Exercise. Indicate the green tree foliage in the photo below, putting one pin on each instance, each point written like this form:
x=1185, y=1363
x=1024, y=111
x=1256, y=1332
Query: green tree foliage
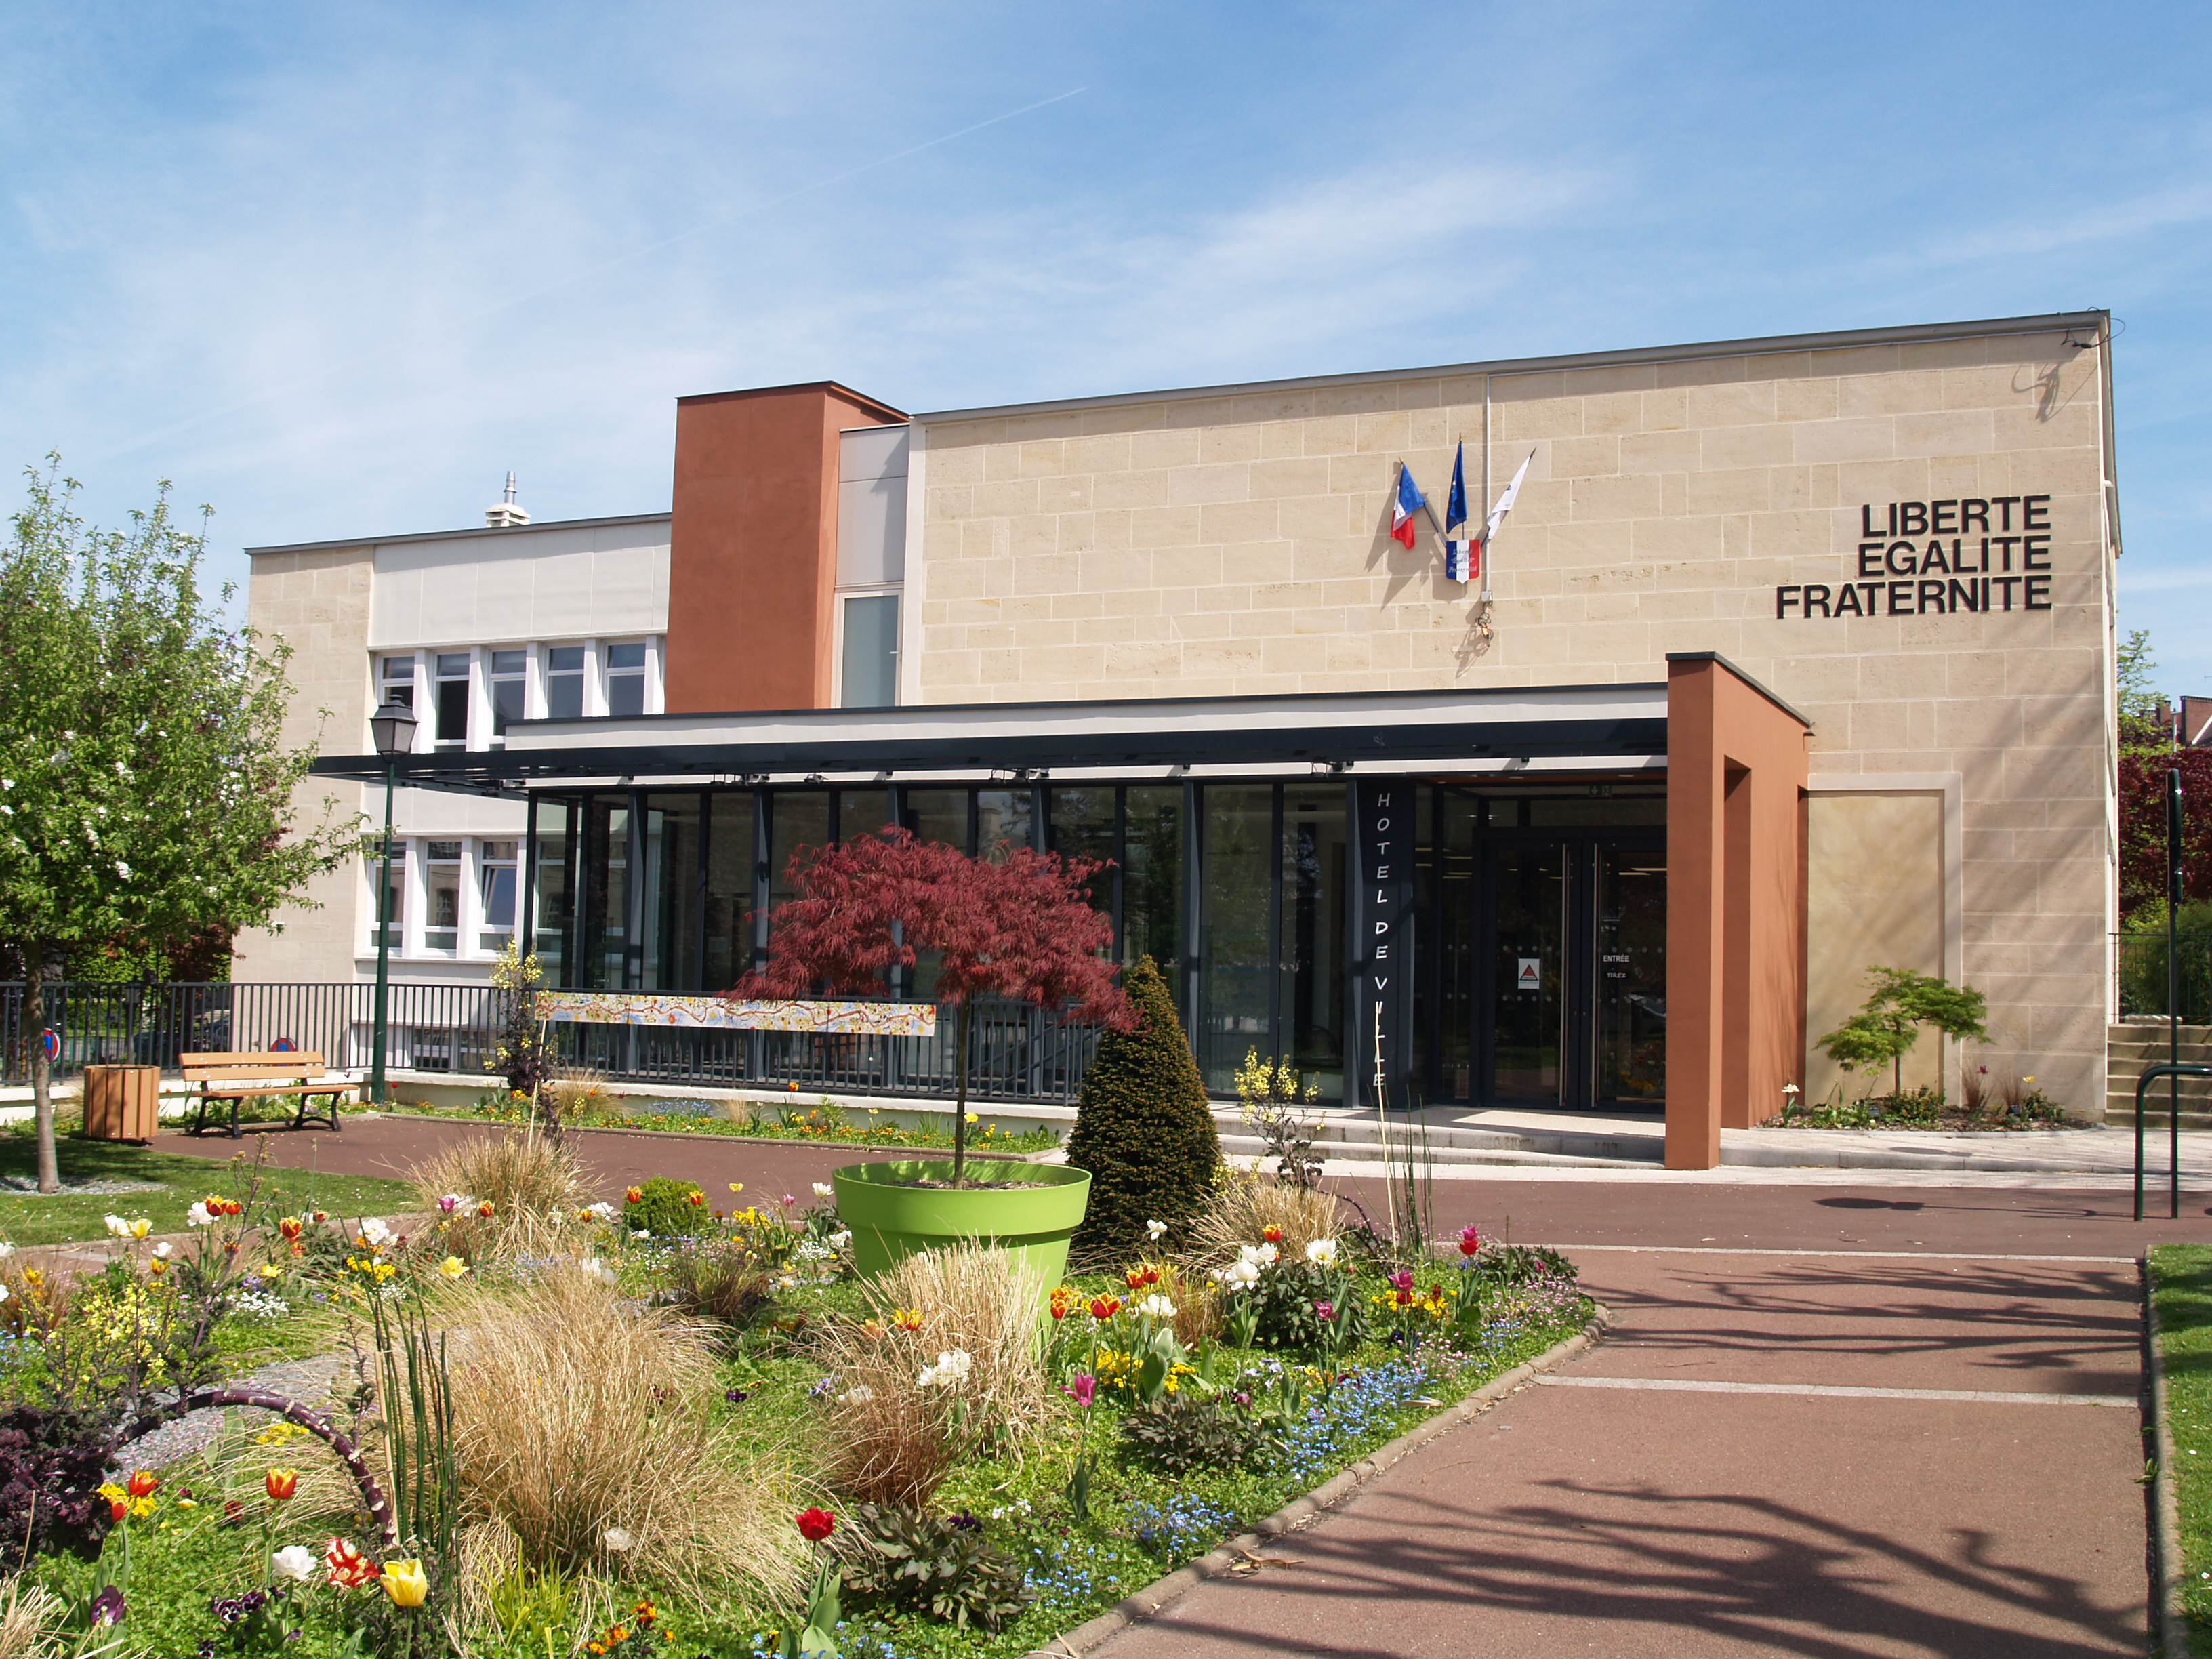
x=2136, y=706
x=145, y=798
x=1889, y=1024
x=1142, y=1127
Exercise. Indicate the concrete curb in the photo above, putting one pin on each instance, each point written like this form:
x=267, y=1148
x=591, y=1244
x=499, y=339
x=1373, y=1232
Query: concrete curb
x=2170, y=1620
x=713, y=1135
x=1162, y=1593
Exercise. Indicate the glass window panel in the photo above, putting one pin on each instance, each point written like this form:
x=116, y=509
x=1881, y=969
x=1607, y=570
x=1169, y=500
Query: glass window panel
x=869, y=678
x=452, y=712
x=442, y=891
x=499, y=890
x=1002, y=821
x=395, y=895
x=1151, y=881
x=1452, y=1014
x=510, y=662
x=800, y=820
x=452, y=665
x=604, y=899
x=1312, y=958
x=862, y=812
x=626, y=656
x=1631, y=973
x=553, y=897
x=506, y=705
x=729, y=889
x=564, y=681
x=936, y=815
x=1531, y=966
x=1235, y=956
x=1083, y=827
x=671, y=893
x=399, y=681
x=625, y=694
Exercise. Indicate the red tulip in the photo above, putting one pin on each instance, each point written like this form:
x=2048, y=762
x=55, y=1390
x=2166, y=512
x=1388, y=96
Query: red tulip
x=816, y=1524
x=144, y=1484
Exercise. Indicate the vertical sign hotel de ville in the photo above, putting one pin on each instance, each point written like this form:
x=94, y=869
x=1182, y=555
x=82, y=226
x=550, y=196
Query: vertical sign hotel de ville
x=1384, y=966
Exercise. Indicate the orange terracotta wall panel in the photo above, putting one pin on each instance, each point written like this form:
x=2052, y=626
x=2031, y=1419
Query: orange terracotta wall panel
x=1737, y=766
x=752, y=560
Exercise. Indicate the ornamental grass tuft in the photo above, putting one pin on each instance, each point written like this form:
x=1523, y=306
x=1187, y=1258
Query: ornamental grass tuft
x=894, y=1437
x=1244, y=1204
x=34, y=1622
x=533, y=1183
x=590, y=1430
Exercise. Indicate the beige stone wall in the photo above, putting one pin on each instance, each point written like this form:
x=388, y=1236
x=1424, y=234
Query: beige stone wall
x=1219, y=546
x=318, y=602
x=1874, y=898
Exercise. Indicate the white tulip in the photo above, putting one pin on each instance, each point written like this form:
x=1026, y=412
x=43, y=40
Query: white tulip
x=950, y=1371
x=841, y=1240
x=1322, y=1252
x=165, y=1249
x=294, y=1561
x=1157, y=1307
x=824, y=1189
x=619, y=1539
x=6, y=1249
x=858, y=1396
x=197, y=1216
x=118, y=1226
x=1156, y=1231
x=591, y=1268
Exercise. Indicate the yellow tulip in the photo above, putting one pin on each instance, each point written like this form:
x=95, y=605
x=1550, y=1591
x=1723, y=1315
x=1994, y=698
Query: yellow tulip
x=406, y=1584
x=453, y=1266
x=141, y=1227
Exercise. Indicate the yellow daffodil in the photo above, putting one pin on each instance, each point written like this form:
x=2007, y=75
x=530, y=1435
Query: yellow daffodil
x=271, y=1270
x=406, y=1584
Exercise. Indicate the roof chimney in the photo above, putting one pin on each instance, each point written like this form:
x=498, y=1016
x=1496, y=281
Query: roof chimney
x=506, y=515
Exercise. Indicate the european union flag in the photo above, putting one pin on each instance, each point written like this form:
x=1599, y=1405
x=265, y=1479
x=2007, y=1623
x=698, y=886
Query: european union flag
x=1455, y=508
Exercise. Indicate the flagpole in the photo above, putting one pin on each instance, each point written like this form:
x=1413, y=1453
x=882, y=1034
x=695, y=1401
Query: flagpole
x=1485, y=487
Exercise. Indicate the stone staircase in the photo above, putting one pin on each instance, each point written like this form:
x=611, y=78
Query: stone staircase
x=2136, y=1043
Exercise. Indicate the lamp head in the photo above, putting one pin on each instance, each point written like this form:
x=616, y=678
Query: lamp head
x=393, y=727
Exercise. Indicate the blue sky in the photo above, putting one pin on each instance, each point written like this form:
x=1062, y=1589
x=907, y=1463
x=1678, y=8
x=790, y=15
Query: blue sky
x=337, y=268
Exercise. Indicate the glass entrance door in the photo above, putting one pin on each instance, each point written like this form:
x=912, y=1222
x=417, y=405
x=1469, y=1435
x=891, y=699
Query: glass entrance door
x=1577, y=971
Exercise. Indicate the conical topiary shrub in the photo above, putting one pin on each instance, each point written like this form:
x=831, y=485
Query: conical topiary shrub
x=1142, y=1129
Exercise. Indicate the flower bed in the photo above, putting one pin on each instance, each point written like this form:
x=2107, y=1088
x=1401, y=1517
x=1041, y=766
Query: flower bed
x=682, y=1423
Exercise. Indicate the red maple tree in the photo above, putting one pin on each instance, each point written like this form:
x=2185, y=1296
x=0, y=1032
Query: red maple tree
x=1019, y=926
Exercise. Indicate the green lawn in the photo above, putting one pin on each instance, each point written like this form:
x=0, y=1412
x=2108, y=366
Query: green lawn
x=26, y=1218
x=2181, y=1284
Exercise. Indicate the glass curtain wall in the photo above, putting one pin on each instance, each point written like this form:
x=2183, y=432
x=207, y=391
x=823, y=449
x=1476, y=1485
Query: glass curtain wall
x=603, y=895
x=732, y=864
x=1314, y=973
x=674, y=874
x=552, y=888
x=1151, y=882
x=1631, y=973
x=1004, y=821
x=1237, y=860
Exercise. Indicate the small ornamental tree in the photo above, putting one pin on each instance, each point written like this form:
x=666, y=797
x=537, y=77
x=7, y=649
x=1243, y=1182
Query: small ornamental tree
x=146, y=795
x=1018, y=926
x=1903, y=1001
x=1143, y=1128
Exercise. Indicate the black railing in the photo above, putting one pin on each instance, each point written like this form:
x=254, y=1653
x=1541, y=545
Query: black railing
x=1015, y=1053
x=2140, y=964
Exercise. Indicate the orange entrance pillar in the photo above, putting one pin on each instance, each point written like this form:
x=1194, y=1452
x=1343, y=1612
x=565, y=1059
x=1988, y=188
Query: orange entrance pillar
x=1737, y=765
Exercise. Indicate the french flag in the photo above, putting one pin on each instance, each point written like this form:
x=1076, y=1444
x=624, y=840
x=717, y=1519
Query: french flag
x=1407, y=501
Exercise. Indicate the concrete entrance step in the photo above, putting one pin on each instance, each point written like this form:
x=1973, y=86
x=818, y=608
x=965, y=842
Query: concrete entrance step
x=1502, y=1151
x=2133, y=1046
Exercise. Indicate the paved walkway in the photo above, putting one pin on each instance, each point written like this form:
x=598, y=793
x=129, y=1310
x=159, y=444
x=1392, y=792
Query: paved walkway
x=1826, y=1454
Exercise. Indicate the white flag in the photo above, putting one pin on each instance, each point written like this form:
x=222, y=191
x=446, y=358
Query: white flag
x=1505, y=501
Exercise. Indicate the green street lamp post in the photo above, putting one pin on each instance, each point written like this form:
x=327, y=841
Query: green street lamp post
x=393, y=727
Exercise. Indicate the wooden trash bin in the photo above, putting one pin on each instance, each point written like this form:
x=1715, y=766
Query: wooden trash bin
x=122, y=1103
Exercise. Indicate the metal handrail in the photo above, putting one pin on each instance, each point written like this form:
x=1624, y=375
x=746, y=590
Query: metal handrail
x=2151, y=1073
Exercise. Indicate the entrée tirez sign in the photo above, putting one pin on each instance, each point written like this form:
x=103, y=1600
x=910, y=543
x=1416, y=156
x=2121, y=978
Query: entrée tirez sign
x=1982, y=567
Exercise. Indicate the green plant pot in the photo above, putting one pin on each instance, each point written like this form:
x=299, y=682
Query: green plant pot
x=890, y=1221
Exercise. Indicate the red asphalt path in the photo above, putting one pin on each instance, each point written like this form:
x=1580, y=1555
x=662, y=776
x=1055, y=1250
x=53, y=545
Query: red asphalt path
x=1700, y=1483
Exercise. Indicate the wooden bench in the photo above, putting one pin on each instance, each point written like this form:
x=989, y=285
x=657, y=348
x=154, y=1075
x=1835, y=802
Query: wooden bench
x=238, y=1078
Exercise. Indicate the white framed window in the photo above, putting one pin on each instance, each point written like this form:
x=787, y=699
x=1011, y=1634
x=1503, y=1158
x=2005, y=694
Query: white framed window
x=868, y=650
x=441, y=883
x=565, y=666
x=626, y=678
x=396, y=922
x=498, y=884
x=510, y=684
x=450, y=695
x=395, y=683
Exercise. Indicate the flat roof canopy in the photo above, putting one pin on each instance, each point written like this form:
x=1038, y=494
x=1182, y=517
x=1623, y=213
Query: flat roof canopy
x=1610, y=728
